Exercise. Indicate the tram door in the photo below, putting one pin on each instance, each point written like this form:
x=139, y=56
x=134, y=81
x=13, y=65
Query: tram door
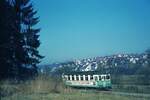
x=103, y=78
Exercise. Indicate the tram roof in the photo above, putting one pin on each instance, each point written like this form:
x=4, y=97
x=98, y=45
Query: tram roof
x=84, y=73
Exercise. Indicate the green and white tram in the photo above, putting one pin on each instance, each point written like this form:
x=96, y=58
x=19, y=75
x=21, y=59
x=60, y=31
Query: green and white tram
x=90, y=79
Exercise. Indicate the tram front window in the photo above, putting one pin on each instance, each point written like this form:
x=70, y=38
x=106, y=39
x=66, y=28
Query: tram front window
x=91, y=77
x=103, y=78
x=107, y=77
x=100, y=78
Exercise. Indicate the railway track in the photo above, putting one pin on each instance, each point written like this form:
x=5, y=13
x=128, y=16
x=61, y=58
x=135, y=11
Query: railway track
x=126, y=94
x=140, y=95
x=132, y=94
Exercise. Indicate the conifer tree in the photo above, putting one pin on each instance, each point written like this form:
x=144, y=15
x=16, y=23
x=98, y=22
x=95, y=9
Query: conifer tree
x=26, y=35
x=18, y=39
x=6, y=36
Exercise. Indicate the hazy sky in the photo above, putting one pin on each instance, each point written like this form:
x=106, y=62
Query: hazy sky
x=86, y=28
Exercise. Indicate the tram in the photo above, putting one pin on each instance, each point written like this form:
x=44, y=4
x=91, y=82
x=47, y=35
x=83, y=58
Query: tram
x=88, y=79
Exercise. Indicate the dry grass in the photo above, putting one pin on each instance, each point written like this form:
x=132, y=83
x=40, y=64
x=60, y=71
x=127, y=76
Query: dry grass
x=132, y=88
x=70, y=96
x=48, y=88
x=41, y=85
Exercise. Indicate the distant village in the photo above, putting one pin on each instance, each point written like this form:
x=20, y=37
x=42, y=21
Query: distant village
x=97, y=63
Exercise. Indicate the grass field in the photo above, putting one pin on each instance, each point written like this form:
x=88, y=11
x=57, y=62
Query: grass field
x=78, y=95
x=45, y=88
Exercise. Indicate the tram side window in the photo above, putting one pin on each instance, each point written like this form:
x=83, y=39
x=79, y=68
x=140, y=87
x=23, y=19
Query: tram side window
x=86, y=78
x=91, y=77
x=107, y=77
x=96, y=78
x=68, y=77
x=81, y=78
x=77, y=78
x=72, y=77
